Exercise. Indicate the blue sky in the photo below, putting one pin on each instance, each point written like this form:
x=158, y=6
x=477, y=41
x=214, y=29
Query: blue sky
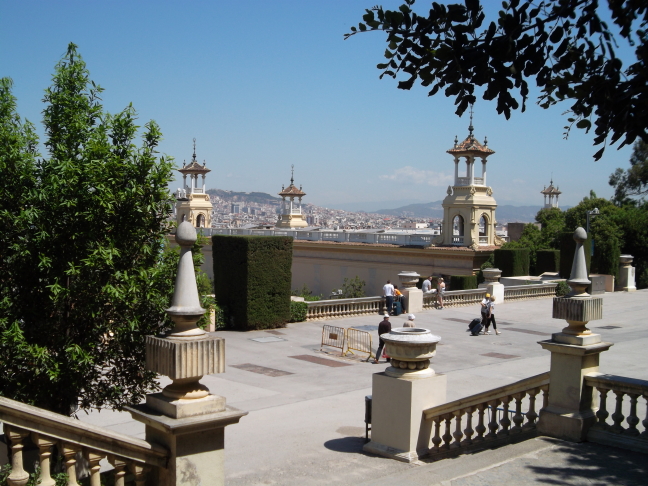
x=262, y=85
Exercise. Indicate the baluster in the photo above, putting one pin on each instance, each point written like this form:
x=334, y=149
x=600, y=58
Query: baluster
x=617, y=416
x=506, y=421
x=436, y=440
x=644, y=434
x=602, y=413
x=95, y=469
x=545, y=396
x=447, y=437
x=139, y=471
x=120, y=467
x=18, y=476
x=458, y=434
x=518, y=418
x=493, y=425
x=45, y=451
x=480, y=429
x=69, y=455
x=632, y=419
x=469, y=430
x=531, y=414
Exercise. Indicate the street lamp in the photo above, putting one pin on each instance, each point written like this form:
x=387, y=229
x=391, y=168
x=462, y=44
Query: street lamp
x=593, y=212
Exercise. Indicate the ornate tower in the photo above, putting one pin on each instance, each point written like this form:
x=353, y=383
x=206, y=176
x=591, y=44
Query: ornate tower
x=550, y=194
x=469, y=207
x=193, y=202
x=291, y=211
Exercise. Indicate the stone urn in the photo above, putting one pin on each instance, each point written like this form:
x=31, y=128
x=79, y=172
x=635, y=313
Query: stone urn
x=410, y=350
x=625, y=260
x=408, y=279
x=491, y=275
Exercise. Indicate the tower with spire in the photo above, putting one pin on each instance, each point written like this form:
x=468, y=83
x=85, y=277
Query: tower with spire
x=192, y=201
x=550, y=194
x=291, y=210
x=469, y=207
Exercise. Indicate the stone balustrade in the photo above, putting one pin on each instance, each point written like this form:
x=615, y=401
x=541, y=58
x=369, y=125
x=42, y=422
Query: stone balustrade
x=336, y=308
x=502, y=415
x=525, y=292
x=455, y=298
x=47, y=429
x=627, y=393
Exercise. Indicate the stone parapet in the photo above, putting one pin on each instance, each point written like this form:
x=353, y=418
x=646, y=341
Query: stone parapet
x=185, y=359
x=581, y=310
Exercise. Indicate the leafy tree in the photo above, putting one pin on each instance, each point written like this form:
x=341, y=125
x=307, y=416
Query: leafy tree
x=633, y=223
x=84, y=275
x=553, y=223
x=352, y=288
x=530, y=238
x=634, y=181
x=563, y=46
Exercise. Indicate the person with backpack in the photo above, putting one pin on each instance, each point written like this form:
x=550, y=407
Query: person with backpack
x=484, y=309
x=491, y=316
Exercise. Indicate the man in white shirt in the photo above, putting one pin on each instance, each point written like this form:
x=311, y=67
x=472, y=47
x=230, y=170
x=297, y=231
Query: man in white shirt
x=427, y=285
x=388, y=293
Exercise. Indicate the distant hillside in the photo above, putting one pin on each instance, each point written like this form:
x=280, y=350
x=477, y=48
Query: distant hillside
x=251, y=197
x=433, y=210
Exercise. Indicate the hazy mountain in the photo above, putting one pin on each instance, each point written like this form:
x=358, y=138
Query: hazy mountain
x=252, y=197
x=504, y=213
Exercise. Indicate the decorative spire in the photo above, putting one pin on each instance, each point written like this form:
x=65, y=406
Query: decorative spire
x=485, y=141
x=456, y=141
x=194, y=152
x=292, y=174
x=470, y=127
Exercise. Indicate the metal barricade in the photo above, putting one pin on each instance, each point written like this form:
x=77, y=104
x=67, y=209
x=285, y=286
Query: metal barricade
x=357, y=340
x=334, y=337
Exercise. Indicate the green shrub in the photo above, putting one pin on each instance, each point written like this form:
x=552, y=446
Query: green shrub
x=547, y=261
x=562, y=288
x=487, y=264
x=513, y=262
x=463, y=282
x=567, y=250
x=252, y=280
x=298, y=311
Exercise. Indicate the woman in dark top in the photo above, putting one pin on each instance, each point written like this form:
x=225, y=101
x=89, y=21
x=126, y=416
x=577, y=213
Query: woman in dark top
x=383, y=328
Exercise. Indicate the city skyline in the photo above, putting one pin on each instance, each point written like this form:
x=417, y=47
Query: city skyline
x=264, y=86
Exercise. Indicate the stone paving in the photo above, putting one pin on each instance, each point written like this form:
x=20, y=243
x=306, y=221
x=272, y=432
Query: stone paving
x=306, y=421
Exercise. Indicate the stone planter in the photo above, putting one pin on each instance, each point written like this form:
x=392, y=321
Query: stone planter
x=491, y=275
x=408, y=279
x=626, y=260
x=410, y=350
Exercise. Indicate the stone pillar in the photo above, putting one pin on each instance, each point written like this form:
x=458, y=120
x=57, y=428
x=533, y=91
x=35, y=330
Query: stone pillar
x=185, y=417
x=413, y=296
x=574, y=353
x=402, y=392
x=456, y=180
x=492, y=284
x=626, y=274
x=483, y=171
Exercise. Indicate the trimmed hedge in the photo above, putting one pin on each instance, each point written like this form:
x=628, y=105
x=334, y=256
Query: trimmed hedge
x=252, y=280
x=298, y=311
x=567, y=250
x=513, y=262
x=547, y=261
x=463, y=282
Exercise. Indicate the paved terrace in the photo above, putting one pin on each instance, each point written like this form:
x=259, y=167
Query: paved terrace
x=306, y=421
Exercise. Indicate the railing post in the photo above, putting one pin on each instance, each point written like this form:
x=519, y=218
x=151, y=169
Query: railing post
x=399, y=429
x=575, y=352
x=186, y=418
x=18, y=476
x=413, y=296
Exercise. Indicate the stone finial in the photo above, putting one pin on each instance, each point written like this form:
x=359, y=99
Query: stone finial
x=408, y=278
x=492, y=275
x=185, y=308
x=578, y=280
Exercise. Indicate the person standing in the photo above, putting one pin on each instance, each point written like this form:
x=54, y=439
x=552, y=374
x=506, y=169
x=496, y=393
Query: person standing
x=410, y=321
x=484, y=309
x=491, y=316
x=384, y=327
x=388, y=293
x=440, y=291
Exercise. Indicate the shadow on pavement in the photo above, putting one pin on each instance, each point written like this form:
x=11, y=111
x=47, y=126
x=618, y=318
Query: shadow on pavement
x=346, y=444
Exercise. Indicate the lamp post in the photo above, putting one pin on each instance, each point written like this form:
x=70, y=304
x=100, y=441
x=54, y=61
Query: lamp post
x=593, y=212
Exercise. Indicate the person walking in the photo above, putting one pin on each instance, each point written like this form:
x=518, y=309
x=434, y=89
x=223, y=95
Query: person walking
x=484, y=309
x=410, y=321
x=384, y=327
x=440, y=291
x=491, y=316
x=388, y=293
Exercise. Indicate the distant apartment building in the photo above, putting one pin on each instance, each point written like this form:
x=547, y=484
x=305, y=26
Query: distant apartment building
x=235, y=208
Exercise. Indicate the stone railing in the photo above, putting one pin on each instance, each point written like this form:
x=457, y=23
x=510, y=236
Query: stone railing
x=502, y=415
x=335, y=308
x=49, y=429
x=455, y=298
x=525, y=292
x=625, y=396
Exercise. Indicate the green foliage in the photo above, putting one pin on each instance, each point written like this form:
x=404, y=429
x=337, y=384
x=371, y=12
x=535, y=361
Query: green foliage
x=352, y=288
x=463, y=282
x=565, y=48
x=547, y=261
x=562, y=289
x=531, y=239
x=513, y=262
x=553, y=223
x=298, y=311
x=84, y=274
x=633, y=224
x=489, y=263
x=252, y=277
x=306, y=293
x=634, y=181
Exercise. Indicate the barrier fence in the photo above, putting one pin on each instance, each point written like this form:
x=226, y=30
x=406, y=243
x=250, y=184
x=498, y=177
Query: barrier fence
x=351, y=339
